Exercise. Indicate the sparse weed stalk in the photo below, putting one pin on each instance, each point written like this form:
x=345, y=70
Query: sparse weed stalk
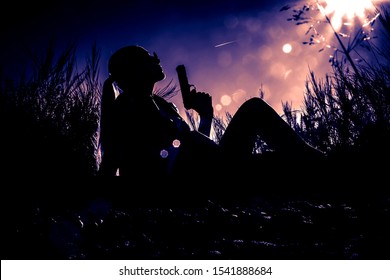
x=351, y=34
x=338, y=109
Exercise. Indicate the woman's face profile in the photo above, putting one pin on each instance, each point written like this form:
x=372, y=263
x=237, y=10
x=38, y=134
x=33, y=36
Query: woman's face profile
x=136, y=65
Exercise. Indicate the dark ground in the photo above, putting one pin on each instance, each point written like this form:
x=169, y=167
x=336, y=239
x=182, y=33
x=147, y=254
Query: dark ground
x=113, y=221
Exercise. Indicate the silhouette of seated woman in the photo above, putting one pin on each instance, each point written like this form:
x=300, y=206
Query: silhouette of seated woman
x=142, y=134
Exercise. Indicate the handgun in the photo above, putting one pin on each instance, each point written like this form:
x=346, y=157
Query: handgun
x=185, y=87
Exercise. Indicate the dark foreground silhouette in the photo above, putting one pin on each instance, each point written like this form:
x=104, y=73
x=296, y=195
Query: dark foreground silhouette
x=115, y=219
x=279, y=208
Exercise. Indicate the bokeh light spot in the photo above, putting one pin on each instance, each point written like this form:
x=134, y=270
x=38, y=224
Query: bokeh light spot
x=226, y=100
x=278, y=70
x=275, y=32
x=265, y=53
x=287, y=48
x=225, y=59
x=231, y=22
x=253, y=25
x=239, y=95
x=164, y=153
x=176, y=143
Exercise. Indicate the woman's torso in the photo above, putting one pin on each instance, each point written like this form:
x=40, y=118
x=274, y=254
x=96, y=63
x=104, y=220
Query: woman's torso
x=147, y=134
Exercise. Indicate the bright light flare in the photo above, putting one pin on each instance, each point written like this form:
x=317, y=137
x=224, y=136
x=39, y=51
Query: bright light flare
x=338, y=10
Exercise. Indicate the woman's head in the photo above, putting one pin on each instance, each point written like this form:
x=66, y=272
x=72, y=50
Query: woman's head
x=134, y=64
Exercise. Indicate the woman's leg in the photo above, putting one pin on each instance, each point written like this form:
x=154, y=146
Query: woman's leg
x=256, y=118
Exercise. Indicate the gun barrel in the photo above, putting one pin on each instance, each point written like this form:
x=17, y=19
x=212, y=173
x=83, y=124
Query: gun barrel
x=184, y=85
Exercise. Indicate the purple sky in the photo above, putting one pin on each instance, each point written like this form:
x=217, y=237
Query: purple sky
x=180, y=32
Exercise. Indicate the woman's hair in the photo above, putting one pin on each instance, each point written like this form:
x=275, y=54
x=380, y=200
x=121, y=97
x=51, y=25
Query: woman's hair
x=126, y=59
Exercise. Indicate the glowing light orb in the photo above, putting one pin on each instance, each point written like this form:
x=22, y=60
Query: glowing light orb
x=226, y=100
x=218, y=107
x=164, y=153
x=176, y=143
x=287, y=48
